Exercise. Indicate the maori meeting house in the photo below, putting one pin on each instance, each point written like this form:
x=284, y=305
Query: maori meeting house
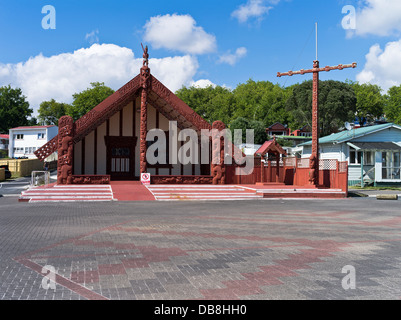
x=109, y=144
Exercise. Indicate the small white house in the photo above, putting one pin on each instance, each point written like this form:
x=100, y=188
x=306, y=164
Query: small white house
x=4, y=138
x=372, y=152
x=24, y=141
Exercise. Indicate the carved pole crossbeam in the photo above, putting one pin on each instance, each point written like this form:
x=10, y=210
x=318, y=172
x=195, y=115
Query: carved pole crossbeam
x=314, y=159
x=326, y=69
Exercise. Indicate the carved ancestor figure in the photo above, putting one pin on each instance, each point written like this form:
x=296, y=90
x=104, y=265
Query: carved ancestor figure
x=64, y=173
x=313, y=170
x=145, y=55
x=218, y=170
x=65, y=150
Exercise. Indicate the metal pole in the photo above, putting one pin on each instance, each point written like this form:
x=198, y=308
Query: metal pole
x=362, y=160
x=316, y=44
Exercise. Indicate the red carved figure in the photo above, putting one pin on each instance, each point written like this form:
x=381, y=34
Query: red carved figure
x=65, y=150
x=217, y=168
x=313, y=166
x=64, y=172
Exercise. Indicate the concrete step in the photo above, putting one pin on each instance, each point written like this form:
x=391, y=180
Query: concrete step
x=201, y=193
x=68, y=193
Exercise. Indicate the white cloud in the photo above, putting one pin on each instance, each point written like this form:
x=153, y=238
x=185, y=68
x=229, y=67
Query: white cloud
x=253, y=9
x=92, y=37
x=383, y=67
x=179, y=33
x=378, y=17
x=231, y=58
x=202, y=83
x=43, y=78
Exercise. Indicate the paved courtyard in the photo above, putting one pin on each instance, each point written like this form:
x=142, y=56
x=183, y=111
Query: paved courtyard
x=258, y=250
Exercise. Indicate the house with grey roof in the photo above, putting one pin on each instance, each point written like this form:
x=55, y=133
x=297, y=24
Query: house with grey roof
x=373, y=153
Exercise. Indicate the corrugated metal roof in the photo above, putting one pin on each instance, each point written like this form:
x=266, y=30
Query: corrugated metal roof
x=352, y=134
x=377, y=145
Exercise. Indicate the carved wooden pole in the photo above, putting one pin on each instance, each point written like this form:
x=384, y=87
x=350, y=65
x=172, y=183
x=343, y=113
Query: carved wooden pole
x=65, y=150
x=218, y=169
x=277, y=167
x=314, y=159
x=145, y=79
x=270, y=170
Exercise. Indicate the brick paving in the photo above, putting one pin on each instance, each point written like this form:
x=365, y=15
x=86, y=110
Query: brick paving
x=239, y=250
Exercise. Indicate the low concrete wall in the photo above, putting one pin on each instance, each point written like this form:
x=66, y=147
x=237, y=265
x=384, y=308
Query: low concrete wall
x=22, y=167
x=2, y=174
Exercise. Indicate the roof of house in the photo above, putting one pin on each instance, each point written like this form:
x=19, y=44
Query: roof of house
x=388, y=146
x=4, y=136
x=277, y=124
x=32, y=127
x=270, y=146
x=345, y=136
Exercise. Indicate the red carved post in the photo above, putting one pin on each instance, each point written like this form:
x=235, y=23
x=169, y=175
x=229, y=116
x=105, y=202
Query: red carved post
x=262, y=169
x=270, y=171
x=314, y=159
x=277, y=167
x=145, y=81
x=218, y=169
x=65, y=147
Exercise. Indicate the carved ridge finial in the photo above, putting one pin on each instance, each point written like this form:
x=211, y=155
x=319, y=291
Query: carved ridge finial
x=145, y=56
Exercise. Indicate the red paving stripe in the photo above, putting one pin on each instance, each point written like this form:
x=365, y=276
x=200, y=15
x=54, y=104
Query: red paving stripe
x=70, y=240
x=71, y=285
x=270, y=275
x=308, y=243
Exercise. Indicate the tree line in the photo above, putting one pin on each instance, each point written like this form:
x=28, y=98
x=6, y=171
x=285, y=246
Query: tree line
x=251, y=105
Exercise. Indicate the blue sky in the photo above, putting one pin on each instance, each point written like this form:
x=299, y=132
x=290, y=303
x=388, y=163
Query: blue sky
x=222, y=42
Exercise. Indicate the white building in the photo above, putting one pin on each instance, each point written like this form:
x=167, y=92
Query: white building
x=4, y=141
x=373, y=153
x=24, y=141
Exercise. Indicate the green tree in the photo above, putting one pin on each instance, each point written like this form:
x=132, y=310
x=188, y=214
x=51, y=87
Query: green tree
x=88, y=99
x=51, y=111
x=14, y=109
x=369, y=101
x=243, y=124
x=262, y=101
x=211, y=103
x=32, y=121
x=337, y=104
x=392, y=107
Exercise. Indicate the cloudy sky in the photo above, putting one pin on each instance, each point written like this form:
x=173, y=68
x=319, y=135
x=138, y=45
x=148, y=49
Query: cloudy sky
x=200, y=43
